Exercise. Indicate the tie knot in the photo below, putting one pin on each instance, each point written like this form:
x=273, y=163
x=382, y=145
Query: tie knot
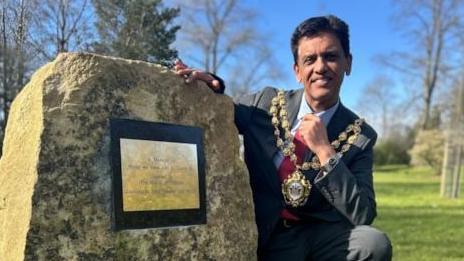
x=298, y=137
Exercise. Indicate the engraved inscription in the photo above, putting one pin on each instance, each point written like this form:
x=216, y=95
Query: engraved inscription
x=159, y=175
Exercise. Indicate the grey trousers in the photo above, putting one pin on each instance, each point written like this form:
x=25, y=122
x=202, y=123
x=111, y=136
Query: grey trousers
x=320, y=241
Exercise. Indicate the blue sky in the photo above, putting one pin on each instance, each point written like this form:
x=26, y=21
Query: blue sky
x=371, y=33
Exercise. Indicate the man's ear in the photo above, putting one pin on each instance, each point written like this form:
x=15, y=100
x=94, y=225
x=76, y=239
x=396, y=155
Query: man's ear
x=296, y=70
x=349, y=60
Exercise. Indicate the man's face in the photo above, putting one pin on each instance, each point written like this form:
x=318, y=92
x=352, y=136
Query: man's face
x=321, y=66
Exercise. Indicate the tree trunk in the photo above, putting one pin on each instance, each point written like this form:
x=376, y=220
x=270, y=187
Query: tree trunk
x=426, y=112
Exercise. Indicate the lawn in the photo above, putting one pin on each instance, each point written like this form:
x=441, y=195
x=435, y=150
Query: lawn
x=421, y=225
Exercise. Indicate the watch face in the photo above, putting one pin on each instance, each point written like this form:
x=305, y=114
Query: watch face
x=332, y=161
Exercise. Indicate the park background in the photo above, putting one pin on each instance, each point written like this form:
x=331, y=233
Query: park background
x=407, y=80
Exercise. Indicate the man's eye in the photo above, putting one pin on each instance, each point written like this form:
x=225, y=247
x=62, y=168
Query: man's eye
x=331, y=57
x=309, y=60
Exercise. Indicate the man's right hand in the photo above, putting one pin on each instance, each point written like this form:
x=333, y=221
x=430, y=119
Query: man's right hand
x=191, y=75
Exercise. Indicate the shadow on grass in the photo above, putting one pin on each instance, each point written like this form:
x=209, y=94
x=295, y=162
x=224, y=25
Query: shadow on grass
x=390, y=168
x=402, y=188
x=445, y=215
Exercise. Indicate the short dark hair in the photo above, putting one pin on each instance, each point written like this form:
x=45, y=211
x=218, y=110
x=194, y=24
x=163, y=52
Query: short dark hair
x=316, y=25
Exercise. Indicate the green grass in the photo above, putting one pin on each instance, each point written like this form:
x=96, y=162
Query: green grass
x=421, y=224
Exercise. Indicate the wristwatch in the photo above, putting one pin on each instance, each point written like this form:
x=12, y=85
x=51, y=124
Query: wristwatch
x=331, y=163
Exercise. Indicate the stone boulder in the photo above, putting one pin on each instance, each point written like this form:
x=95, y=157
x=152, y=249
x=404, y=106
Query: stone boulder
x=55, y=173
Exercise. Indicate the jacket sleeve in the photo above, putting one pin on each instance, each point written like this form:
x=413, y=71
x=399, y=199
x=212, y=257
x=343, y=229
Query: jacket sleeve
x=349, y=188
x=244, y=108
x=222, y=86
x=247, y=105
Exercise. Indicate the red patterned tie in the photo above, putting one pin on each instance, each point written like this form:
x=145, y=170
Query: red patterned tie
x=287, y=167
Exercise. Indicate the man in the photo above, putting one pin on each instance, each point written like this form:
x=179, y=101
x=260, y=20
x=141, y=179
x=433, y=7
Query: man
x=309, y=157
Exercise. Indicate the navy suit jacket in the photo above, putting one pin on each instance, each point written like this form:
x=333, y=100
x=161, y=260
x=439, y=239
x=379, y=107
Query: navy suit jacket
x=344, y=193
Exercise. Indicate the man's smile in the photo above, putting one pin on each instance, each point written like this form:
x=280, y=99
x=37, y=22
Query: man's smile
x=322, y=81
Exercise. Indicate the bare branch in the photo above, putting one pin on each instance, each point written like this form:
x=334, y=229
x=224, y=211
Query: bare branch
x=222, y=36
x=431, y=25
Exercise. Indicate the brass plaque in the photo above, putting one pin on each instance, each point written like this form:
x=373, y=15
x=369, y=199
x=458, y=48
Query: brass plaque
x=159, y=175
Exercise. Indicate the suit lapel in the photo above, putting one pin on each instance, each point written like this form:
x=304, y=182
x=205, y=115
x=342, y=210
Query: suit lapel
x=293, y=104
x=338, y=122
x=293, y=99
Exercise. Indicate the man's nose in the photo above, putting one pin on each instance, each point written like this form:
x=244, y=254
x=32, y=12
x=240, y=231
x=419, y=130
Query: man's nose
x=321, y=65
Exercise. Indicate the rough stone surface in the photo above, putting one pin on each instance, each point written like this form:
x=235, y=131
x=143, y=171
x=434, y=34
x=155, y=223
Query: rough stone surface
x=55, y=176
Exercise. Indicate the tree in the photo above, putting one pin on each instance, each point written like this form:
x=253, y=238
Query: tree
x=60, y=26
x=221, y=36
x=454, y=145
x=431, y=27
x=14, y=26
x=137, y=29
x=381, y=101
x=428, y=149
x=391, y=151
x=34, y=32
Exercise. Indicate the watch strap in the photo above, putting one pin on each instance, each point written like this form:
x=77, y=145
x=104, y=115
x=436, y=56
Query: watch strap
x=331, y=163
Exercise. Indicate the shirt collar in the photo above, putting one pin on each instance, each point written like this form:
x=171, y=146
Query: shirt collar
x=325, y=116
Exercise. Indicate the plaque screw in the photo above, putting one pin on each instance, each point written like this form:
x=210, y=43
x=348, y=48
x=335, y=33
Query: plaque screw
x=2, y=203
